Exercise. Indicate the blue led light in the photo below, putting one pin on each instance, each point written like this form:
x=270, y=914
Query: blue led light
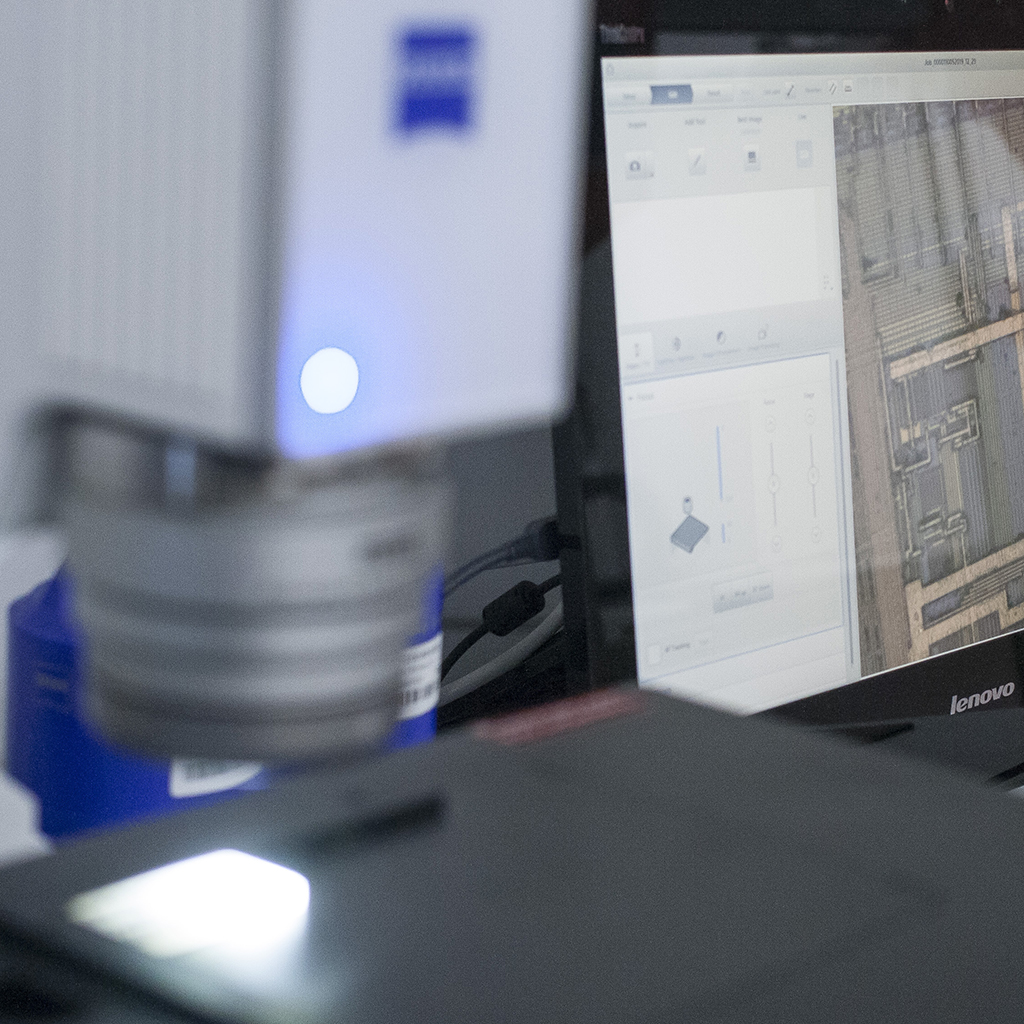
x=329, y=380
x=359, y=311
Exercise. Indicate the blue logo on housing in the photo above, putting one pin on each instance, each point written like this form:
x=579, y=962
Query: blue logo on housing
x=436, y=73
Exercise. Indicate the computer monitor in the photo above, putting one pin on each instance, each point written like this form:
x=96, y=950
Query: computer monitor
x=818, y=361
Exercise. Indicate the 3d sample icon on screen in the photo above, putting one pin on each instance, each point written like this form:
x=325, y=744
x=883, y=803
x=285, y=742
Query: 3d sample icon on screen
x=690, y=531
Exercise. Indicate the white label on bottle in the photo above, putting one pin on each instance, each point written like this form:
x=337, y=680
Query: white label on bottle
x=199, y=776
x=421, y=677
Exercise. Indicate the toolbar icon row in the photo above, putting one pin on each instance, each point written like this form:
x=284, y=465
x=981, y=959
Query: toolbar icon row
x=640, y=164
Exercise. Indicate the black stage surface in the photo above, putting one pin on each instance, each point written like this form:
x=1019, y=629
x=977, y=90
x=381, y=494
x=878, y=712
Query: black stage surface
x=619, y=856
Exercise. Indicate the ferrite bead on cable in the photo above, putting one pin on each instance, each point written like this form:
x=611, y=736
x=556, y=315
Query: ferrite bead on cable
x=516, y=606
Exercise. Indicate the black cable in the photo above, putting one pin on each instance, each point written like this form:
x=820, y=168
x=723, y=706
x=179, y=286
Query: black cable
x=466, y=572
x=539, y=542
x=504, y=614
x=462, y=646
x=473, y=569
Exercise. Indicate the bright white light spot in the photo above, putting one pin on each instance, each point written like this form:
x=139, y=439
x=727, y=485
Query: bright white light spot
x=329, y=380
x=226, y=899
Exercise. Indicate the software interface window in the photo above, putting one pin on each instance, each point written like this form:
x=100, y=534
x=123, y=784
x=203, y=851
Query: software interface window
x=821, y=346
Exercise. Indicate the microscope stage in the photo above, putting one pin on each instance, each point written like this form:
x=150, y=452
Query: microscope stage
x=620, y=856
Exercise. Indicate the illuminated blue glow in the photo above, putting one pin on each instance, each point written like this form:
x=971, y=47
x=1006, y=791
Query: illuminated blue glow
x=359, y=309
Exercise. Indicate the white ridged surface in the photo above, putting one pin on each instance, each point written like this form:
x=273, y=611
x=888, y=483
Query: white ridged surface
x=142, y=148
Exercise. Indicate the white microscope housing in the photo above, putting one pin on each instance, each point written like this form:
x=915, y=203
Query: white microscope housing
x=259, y=257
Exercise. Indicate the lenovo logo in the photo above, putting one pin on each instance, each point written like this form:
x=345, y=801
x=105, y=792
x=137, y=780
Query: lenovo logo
x=964, y=703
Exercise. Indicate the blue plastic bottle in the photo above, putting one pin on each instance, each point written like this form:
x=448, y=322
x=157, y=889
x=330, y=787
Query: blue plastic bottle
x=421, y=673
x=81, y=781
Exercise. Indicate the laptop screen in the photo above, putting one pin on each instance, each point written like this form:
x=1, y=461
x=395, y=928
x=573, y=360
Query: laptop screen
x=821, y=357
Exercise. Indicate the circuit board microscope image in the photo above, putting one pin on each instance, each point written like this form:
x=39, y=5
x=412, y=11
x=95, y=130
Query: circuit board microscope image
x=931, y=197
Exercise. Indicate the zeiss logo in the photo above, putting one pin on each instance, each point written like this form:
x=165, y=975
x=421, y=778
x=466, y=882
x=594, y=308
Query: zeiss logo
x=436, y=79
x=964, y=703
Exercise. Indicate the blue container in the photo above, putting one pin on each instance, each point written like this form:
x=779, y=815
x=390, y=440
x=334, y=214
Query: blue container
x=421, y=673
x=83, y=782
